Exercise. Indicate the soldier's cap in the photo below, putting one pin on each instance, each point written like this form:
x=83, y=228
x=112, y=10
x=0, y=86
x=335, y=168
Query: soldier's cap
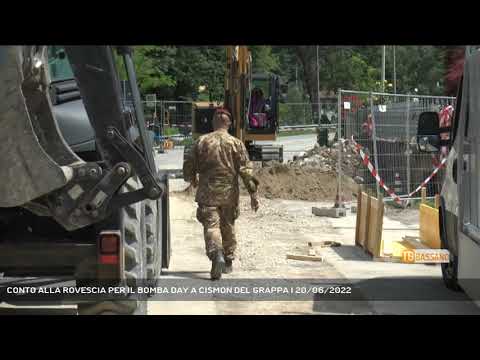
x=223, y=111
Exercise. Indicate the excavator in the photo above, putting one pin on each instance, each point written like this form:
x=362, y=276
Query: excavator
x=253, y=100
x=80, y=195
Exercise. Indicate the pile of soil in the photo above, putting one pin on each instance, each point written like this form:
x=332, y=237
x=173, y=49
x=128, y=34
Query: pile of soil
x=296, y=183
x=312, y=176
x=290, y=182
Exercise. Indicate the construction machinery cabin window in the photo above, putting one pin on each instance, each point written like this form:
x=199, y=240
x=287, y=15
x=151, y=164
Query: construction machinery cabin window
x=260, y=115
x=58, y=64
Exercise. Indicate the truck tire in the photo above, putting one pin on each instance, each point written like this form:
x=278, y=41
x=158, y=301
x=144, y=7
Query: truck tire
x=152, y=241
x=132, y=228
x=166, y=245
x=449, y=270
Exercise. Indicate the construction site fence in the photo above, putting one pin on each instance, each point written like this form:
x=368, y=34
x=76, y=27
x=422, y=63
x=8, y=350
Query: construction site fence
x=175, y=117
x=306, y=113
x=178, y=114
x=385, y=126
x=172, y=119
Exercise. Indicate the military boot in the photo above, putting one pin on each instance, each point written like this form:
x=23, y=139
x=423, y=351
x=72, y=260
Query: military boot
x=228, y=266
x=218, y=264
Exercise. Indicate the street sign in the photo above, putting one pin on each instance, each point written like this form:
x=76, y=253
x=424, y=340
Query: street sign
x=151, y=100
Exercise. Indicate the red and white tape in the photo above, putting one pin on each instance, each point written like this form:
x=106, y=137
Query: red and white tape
x=390, y=192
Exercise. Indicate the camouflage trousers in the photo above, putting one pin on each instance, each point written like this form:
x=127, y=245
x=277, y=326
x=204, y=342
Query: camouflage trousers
x=219, y=229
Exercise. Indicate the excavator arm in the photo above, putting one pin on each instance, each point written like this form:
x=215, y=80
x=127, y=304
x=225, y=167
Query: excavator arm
x=40, y=171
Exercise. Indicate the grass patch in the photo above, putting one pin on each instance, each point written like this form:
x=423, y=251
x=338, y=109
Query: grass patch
x=171, y=131
x=297, y=132
x=187, y=142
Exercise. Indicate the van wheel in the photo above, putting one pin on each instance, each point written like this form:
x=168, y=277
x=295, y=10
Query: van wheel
x=449, y=270
x=132, y=229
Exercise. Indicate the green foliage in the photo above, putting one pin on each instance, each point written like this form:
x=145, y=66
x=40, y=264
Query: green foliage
x=174, y=72
x=344, y=68
x=154, y=69
x=297, y=132
x=264, y=60
x=295, y=111
x=171, y=131
x=177, y=72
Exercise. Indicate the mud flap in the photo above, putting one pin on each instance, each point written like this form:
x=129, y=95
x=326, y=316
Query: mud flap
x=28, y=171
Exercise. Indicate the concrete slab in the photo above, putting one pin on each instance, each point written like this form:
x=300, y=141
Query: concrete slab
x=329, y=212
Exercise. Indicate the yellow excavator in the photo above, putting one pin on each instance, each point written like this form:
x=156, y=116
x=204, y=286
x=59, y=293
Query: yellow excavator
x=253, y=100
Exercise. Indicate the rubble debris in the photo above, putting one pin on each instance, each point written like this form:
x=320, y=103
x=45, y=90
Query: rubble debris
x=326, y=158
x=327, y=243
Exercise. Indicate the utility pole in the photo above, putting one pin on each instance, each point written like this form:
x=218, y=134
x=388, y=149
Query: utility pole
x=394, y=72
x=296, y=75
x=318, y=87
x=383, y=68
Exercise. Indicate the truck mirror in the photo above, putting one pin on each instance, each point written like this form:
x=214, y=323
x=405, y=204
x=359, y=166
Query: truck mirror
x=428, y=143
x=428, y=137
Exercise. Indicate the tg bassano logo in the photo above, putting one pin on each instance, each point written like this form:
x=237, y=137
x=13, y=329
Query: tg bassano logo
x=425, y=256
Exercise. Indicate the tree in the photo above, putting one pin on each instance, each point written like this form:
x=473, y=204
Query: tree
x=154, y=68
x=454, y=59
x=264, y=59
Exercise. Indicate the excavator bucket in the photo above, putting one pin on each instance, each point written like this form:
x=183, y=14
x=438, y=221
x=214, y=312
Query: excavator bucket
x=29, y=167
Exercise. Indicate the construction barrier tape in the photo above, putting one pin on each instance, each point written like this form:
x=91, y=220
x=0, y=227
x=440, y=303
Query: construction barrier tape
x=390, y=192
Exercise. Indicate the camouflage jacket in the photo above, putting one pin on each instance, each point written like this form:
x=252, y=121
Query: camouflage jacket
x=219, y=159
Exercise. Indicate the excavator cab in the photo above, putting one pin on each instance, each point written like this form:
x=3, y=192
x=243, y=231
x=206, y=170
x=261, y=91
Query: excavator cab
x=253, y=100
x=263, y=105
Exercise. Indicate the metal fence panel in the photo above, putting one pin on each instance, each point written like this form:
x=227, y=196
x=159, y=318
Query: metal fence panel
x=306, y=114
x=385, y=125
x=168, y=118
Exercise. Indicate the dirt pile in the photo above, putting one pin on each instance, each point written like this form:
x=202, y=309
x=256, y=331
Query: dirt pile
x=310, y=176
x=284, y=181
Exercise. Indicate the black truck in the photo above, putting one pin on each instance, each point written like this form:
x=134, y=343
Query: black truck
x=81, y=196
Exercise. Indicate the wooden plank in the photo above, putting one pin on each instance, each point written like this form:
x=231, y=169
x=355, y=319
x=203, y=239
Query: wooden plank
x=407, y=244
x=429, y=227
x=374, y=239
x=437, y=201
x=326, y=243
x=359, y=215
x=390, y=259
x=424, y=195
x=408, y=237
x=304, y=257
x=364, y=214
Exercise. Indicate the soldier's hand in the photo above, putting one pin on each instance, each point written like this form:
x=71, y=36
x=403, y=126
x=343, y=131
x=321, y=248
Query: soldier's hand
x=195, y=181
x=254, y=202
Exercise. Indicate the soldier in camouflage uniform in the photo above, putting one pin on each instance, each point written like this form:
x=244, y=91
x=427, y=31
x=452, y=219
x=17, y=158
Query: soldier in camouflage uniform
x=219, y=159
